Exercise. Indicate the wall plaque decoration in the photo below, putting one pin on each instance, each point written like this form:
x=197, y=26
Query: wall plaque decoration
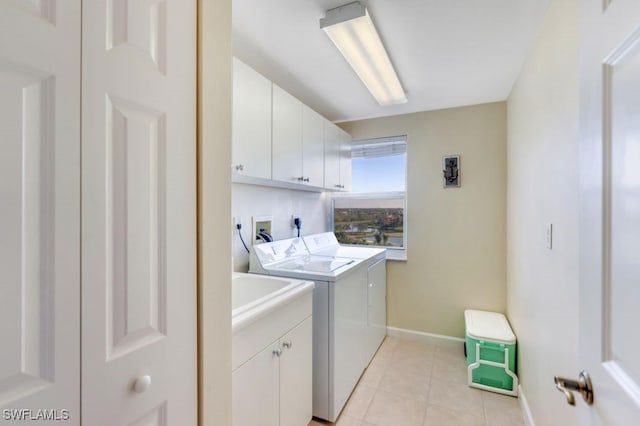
x=451, y=171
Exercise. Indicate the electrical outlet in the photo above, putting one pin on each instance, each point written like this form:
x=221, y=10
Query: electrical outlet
x=237, y=220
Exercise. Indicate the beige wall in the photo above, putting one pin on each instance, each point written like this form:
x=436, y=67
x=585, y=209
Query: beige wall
x=543, y=187
x=456, y=237
x=214, y=197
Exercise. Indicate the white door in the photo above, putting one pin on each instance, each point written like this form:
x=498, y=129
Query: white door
x=610, y=210
x=138, y=212
x=40, y=210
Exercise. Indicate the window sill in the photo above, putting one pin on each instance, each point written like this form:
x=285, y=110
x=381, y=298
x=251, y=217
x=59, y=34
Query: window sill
x=400, y=255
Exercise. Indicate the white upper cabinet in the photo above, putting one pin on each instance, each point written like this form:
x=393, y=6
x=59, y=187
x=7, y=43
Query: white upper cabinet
x=337, y=158
x=251, y=151
x=312, y=147
x=298, y=141
x=287, y=137
x=279, y=141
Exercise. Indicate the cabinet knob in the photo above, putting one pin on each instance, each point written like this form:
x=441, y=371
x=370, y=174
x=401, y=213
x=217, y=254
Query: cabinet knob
x=287, y=344
x=301, y=179
x=305, y=180
x=277, y=352
x=142, y=383
x=240, y=167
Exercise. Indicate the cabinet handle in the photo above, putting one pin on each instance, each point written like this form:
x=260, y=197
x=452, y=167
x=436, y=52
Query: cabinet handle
x=305, y=180
x=301, y=179
x=240, y=167
x=287, y=344
x=277, y=352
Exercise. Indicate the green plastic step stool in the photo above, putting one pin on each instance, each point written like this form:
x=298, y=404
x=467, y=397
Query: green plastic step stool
x=491, y=352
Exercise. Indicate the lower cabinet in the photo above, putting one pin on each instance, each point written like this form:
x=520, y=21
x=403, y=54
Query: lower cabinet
x=274, y=387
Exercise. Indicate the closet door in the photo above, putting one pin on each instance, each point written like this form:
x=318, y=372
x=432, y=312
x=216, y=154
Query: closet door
x=40, y=210
x=139, y=212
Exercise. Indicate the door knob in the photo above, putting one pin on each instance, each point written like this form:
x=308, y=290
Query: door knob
x=142, y=383
x=582, y=385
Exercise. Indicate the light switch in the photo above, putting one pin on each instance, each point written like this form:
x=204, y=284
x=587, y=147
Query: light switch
x=549, y=235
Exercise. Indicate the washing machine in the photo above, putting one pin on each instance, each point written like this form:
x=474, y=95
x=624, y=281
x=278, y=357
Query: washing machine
x=340, y=318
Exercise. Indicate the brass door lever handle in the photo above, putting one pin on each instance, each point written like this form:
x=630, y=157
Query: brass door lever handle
x=582, y=385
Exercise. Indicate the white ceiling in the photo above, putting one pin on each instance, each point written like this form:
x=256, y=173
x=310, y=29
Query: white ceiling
x=447, y=53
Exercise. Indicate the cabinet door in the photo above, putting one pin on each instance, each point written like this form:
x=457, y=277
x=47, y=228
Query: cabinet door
x=345, y=160
x=312, y=147
x=296, y=375
x=331, y=156
x=287, y=137
x=251, y=131
x=377, y=306
x=255, y=390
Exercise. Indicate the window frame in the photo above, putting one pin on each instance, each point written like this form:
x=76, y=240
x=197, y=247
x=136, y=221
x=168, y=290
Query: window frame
x=392, y=253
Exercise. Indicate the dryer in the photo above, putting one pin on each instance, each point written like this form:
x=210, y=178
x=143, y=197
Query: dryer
x=326, y=244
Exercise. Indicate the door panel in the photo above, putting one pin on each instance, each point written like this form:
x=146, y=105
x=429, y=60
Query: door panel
x=39, y=213
x=287, y=137
x=139, y=212
x=256, y=390
x=296, y=377
x=136, y=171
x=251, y=122
x=331, y=156
x=610, y=209
x=624, y=88
x=312, y=146
x=345, y=160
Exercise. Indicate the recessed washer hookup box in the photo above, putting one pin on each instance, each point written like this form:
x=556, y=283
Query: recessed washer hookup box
x=491, y=352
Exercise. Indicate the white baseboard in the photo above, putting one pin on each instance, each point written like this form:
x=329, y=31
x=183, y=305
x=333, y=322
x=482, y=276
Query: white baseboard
x=524, y=405
x=421, y=336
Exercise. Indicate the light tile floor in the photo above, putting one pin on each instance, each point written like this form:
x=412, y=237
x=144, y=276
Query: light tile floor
x=411, y=383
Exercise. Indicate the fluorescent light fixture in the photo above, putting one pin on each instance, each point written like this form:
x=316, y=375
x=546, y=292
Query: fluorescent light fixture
x=352, y=31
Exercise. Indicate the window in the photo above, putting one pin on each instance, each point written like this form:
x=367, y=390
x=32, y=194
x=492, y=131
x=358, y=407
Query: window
x=374, y=213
